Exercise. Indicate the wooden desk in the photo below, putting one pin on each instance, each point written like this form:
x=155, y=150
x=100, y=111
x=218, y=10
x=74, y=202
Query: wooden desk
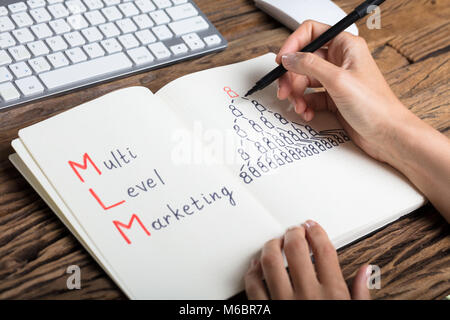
x=412, y=50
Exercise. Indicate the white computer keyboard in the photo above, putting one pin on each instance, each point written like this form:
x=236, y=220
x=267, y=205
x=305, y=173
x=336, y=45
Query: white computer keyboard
x=48, y=47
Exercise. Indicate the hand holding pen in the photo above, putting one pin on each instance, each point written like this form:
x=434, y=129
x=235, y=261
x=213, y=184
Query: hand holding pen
x=376, y=120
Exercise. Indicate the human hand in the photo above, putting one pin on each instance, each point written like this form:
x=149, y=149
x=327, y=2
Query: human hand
x=355, y=88
x=323, y=280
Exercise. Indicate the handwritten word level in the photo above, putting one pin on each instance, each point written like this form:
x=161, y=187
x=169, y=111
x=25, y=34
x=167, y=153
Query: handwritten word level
x=146, y=185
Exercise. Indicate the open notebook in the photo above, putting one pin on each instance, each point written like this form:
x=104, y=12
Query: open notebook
x=172, y=193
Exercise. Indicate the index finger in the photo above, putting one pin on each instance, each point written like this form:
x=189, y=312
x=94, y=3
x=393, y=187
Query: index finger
x=305, y=34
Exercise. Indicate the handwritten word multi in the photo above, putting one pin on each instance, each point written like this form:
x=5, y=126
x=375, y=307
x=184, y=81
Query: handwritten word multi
x=269, y=141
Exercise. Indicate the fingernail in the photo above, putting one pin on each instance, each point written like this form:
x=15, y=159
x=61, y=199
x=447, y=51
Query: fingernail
x=288, y=59
x=309, y=224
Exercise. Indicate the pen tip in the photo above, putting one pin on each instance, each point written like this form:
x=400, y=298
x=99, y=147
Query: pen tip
x=250, y=92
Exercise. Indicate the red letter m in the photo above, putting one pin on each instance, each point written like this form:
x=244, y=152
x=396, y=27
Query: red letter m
x=83, y=166
x=119, y=224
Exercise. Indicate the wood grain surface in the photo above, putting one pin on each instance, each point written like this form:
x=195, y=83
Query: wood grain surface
x=411, y=49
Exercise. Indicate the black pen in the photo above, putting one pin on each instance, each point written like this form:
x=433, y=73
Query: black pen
x=360, y=12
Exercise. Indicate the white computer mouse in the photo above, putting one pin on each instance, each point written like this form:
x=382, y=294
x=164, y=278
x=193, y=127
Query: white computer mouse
x=292, y=13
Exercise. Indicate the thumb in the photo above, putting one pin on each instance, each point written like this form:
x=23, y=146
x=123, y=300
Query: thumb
x=360, y=291
x=313, y=66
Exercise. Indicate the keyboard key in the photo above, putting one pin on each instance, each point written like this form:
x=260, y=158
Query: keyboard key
x=212, y=40
x=40, y=15
x=6, y=24
x=20, y=69
x=59, y=26
x=128, y=9
x=159, y=50
x=3, y=11
x=111, y=2
x=75, y=6
x=58, y=10
x=129, y=41
x=19, y=53
x=143, y=21
x=17, y=7
x=92, y=34
x=109, y=30
x=22, y=19
x=196, y=45
x=193, y=41
x=4, y=58
x=57, y=43
x=112, y=13
x=6, y=40
x=23, y=35
x=95, y=17
x=177, y=2
x=111, y=45
x=8, y=92
x=190, y=37
x=145, y=5
x=126, y=25
x=41, y=31
x=93, y=4
x=76, y=55
x=160, y=17
x=94, y=50
x=140, y=56
x=145, y=36
x=162, y=3
x=189, y=25
x=58, y=59
x=179, y=49
x=38, y=48
x=77, y=22
x=5, y=75
x=182, y=12
x=74, y=39
x=39, y=64
x=86, y=70
x=33, y=4
x=30, y=86
x=162, y=32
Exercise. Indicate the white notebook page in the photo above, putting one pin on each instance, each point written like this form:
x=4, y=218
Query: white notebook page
x=203, y=253
x=341, y=187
